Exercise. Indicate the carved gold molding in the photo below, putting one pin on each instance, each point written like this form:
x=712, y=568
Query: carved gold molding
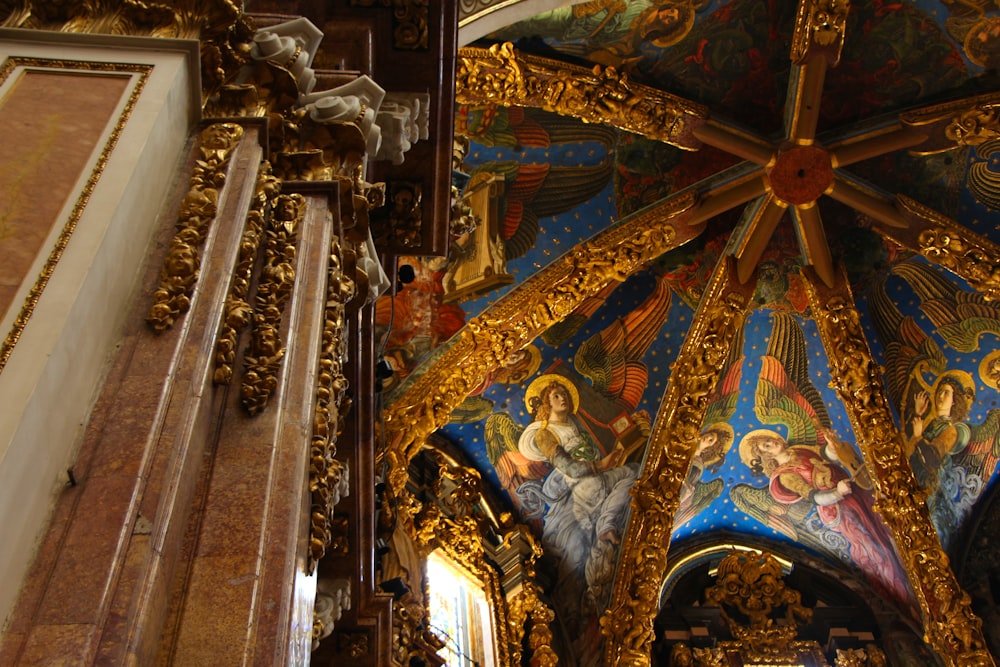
x=628, y=623
x=327, y=474
x=266, y=350
x=500, y=75
x=966, y=122
x=950, y=625
x=198, y=210
x=9, y=65
x=238, y=310
x=551, y=295
x=220, y=25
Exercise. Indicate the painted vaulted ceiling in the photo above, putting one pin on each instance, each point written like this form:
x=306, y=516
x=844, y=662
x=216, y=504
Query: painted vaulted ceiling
x=805, y=169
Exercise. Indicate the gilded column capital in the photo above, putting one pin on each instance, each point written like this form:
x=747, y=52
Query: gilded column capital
x=950, y=625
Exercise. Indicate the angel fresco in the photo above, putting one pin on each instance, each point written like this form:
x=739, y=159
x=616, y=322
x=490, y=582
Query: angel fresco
x=952, y=457
x=714, y=440
x=817, y=491
x=558, y=474
x=567, y=470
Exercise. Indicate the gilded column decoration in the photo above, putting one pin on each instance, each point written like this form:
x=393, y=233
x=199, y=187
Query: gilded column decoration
x=487, y=341
x=819, y=30
x=527, y=610
x=628, y=623
x=500, y=75
x=238, y=310
x=266, y=350
x=198, y=210
x=950, y=625
x=328, y=476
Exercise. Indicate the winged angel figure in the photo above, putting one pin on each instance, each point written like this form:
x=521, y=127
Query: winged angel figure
x=555, y=471
x=714, y=441
x=818, y=492
x=951, y=457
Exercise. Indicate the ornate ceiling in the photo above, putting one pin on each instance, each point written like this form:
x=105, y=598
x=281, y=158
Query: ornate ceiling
x=743, y=254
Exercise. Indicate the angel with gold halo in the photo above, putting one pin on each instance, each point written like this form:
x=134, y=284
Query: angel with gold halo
x=951, y=456
x=561, y=477
x=817, y=489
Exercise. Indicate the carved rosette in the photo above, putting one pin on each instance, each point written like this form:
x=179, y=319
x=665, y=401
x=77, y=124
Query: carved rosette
x=500, y=75
x=238, y=310
x=266, y=350
x=950, y=625
x=628, y=623
x=487, y=341
x=198, y=210
x=409, y=21
x=819, y=30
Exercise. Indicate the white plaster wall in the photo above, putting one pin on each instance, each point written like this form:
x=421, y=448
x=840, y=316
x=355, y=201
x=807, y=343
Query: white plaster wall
x=51, y=379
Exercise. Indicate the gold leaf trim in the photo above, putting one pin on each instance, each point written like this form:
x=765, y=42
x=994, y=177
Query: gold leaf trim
x=950, y=625
x=628, y=623
x=55, y=254
x=500, y=75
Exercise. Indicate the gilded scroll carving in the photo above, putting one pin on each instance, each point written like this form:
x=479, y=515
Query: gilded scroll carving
x=500, y=75
x=266, y=350
x=751, y=583
x=487, y=341
x=950, y=625
x=327, y=475
x=967, y=122
x=198, y=210
x=950, y=245
x=628, y=623
x=238, y=310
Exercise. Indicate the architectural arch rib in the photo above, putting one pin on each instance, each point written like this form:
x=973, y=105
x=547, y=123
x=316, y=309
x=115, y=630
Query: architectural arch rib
x=525, y=313
x=950, y=625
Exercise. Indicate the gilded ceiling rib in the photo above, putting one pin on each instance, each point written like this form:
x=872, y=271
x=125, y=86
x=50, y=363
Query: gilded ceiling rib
x=525, y=313
x=628, y=623
x=950, y=625
x=500, y=75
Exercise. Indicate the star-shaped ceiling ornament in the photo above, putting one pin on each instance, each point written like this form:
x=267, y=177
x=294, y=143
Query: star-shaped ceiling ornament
x=792, y=173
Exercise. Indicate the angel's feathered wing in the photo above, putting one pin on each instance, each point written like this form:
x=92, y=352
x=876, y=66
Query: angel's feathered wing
x=501, y=433
x=612, y=358
x=960, y=316
x=785, y=394
x=983, y=451
x=791, y=520
x=909, y=353
x=723, y=400
x=704, y=494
